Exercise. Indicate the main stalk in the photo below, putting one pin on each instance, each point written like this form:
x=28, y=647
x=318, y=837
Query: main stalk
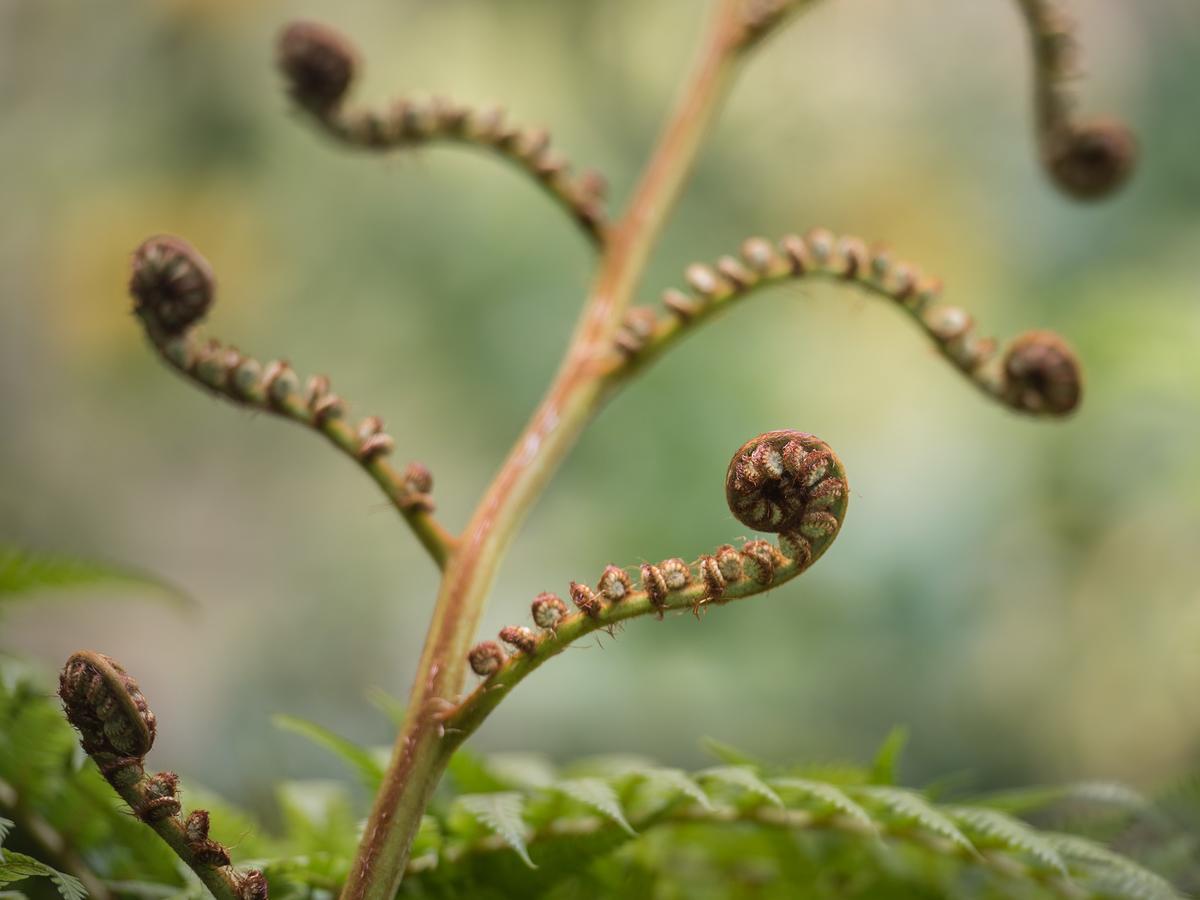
x=420, y=755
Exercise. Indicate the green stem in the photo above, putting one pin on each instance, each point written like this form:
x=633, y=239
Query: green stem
x=421, y=753
x=409, y=124
x=471, y=712
x=844, y=260
x=191, y=358
x=1051, y=44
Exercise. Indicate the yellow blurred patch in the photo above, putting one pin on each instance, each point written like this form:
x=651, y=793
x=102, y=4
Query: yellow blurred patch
x=85, y=258
x=209, y=9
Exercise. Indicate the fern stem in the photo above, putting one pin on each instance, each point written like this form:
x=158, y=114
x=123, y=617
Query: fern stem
x=821, y=255
x=411, y=123
x=421, y=753
x=465, y=718
x=216, y=369
x=320, y=65
x=223, y=881
x=1087, y=159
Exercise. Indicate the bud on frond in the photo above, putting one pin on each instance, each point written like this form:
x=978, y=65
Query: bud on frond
x=1091, y=160
x=1041, y=374
x=172, y=285
x=318, y=63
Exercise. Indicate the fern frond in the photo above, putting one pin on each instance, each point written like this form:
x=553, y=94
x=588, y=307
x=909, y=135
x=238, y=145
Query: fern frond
x=24, y=573
x=1109, y=873
x=362, y=760
x=989, y=827
x=501, y=813
x=17, y=867
x=909, y=806
x=830, y=795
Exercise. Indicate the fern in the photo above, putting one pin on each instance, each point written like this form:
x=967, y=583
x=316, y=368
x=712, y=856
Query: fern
x=362, y=760
x=988, y=826
x=25, y=573
x=830, y=795
x=1110, y=873
x=500, y=813
x=911, y=807
x=952, y=845
x=18, y=866
x=743, y=779
x=518, y=825
x=600, y=796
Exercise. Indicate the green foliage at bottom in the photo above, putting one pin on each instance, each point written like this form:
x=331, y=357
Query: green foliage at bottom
x=517, y=825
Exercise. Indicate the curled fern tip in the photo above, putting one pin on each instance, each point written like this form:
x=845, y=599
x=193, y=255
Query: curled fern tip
x=318, y=64
x=172, y=285
x=1042, y=375
x=1092, y=160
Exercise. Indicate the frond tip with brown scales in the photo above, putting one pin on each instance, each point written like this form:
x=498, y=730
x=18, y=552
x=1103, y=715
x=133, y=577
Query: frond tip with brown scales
x=117, y=729
x=1088, y=159
x=173, y=290
x=319, y=66
x=785, y=482
x=1032, y=365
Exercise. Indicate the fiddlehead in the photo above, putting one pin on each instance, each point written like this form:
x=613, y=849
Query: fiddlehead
x=173, y=289
x=117, y=729
x=319, y=66
x=783, y=482
x=1037, y=374
x=1087, y=159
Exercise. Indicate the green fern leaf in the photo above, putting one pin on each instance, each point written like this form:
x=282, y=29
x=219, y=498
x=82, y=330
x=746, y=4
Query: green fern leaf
x=501, y=813
x=911, y=806
x=673, y=783
x=318, y=816
x=369, y=769
x=742, y=777
x=18, y=866
x=597, y=794
x=6, y=826
x=885, y=768
x=471, y=774
x=831, y=796
x=23, y=573
x=70, y=887
x=1109, y=873
x=997, y=827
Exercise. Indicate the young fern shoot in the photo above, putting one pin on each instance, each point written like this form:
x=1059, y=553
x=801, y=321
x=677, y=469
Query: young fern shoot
x=320, y=65
x=173, y=290
x=786, y=483
x=1087, y=159
x=1037, y=374
x=117, y=729
x=783, y=482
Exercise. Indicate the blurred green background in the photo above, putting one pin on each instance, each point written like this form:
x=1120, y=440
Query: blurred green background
x=1025, y=596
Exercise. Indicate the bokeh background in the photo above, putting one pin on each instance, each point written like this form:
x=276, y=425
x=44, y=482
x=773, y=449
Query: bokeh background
x=1024, y=596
